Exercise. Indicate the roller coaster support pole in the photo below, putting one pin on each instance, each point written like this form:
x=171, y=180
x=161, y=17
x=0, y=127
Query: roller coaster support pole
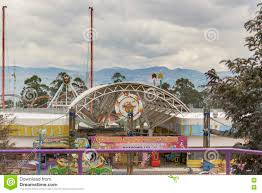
x=79, y=163
x=228, y=158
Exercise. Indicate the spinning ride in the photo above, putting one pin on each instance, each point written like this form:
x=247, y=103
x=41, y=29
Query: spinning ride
x=151, y=106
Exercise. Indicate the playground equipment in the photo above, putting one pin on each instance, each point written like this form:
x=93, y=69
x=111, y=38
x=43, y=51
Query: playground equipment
x=170, y=157
x=227, y=151
x=207, y=166
x=100, y=168
x=93, y=167
x=91, y=163
x=61, y=168
x=218, y=165
x=155, y=159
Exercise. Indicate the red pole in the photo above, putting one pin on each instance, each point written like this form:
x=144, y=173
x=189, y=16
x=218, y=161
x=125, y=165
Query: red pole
x=3, y=59
x=91, y=47
x=91, y=53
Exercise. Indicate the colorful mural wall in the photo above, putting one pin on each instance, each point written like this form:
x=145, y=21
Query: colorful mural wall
x=191, y=124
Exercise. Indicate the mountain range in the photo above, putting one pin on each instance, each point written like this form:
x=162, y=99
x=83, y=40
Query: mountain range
x=104, y=76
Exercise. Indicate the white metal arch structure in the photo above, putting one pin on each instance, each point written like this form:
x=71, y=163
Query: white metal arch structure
x=159, y=105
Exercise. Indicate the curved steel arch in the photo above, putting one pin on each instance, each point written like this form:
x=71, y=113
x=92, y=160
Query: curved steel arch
x=159, y=104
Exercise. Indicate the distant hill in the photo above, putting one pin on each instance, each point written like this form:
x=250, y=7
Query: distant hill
x=104, y=76
x=144, y=75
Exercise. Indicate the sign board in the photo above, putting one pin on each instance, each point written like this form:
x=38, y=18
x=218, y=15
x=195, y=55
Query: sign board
x=104, y=142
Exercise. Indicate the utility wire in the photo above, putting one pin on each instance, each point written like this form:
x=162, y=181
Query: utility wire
x=53, y=120
x=220, y=122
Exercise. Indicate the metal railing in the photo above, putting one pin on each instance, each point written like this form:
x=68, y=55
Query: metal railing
x=227, y=151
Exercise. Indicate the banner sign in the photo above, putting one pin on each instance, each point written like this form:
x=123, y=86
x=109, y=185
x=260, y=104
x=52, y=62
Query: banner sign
x=53, y=142
x=104, y=142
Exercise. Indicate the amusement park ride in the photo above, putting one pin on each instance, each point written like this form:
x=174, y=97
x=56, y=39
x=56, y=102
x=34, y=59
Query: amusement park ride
x=114, y=118
x=64, y=95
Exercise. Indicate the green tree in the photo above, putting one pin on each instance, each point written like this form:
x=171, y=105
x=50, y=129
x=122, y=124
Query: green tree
x=166, y=86
x=55, y=84
x=185, y=90
x=118, y=77
x=241, y=96
x=34, y=88
x=79, y=84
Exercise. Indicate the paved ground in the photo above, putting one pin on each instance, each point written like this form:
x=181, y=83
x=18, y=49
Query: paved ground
x=157, y=171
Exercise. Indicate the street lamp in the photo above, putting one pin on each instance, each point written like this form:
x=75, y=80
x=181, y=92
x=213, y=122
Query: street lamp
x=158, y=76
x=130, y=156
x=41, y=136
x=206, y=130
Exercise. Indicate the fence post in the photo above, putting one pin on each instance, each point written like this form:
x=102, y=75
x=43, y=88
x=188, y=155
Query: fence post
x=206, y=130
x=228, y=159
x=72, y=130
x=79, y=163
x=130, y=155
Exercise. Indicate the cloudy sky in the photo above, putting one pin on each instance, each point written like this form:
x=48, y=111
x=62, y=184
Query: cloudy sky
x=194, y=34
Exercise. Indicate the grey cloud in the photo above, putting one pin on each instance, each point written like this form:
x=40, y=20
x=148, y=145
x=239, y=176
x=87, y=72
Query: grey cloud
x=130, y=33
x=235, y=3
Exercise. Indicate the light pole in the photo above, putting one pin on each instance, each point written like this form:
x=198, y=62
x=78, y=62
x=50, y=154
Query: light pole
x=154, y=77
x=160, y=76
x=130, y=156
x=41, y=136
x=72, y=129
x=206, y=130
